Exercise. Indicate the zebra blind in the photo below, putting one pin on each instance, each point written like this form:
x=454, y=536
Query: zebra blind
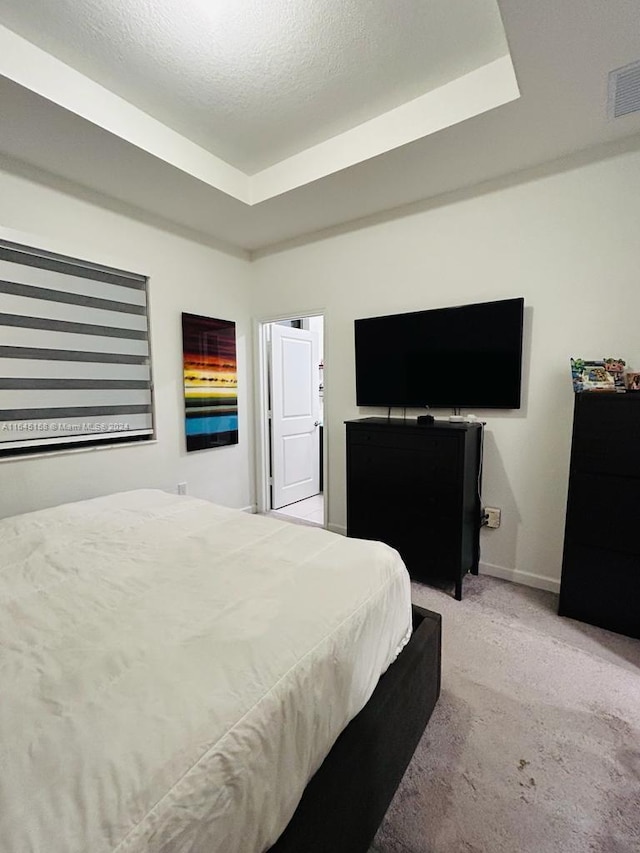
x=74, y=353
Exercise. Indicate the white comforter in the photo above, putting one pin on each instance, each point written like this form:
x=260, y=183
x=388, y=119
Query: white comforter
x=172, y=673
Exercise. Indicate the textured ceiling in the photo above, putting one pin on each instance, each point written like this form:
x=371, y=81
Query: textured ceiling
x=254, y=82
x=60, y=128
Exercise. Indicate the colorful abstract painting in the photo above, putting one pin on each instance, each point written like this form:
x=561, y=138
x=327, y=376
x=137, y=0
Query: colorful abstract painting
x=210, y=382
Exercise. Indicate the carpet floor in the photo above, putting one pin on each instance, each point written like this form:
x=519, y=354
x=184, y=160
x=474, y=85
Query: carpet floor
x=534, y=746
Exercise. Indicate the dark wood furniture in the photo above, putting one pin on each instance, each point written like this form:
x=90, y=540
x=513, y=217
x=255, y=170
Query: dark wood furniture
x=417, y=488
x=601, y=565
x=344, y=803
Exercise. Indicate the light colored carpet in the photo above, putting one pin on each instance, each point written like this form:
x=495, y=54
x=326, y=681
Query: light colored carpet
x=534, y=746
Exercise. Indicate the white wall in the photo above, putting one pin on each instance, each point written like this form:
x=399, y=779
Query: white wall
x=568, y=243
x=184, y=276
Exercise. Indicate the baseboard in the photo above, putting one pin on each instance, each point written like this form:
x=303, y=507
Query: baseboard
x=252, y=509
x=337, y=528
x=524, y=578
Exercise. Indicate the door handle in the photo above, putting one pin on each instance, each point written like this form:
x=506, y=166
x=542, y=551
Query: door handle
x=317, y=423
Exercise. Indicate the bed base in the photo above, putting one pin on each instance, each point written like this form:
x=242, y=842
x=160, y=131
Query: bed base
x=344, y=803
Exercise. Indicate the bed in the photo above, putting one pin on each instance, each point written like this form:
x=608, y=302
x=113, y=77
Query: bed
x=179, y=676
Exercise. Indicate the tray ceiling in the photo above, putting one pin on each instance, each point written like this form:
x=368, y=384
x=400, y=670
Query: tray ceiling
x=253, y=123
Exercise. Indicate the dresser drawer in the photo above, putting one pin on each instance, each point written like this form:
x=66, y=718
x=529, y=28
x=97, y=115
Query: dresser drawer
x=606, y=434
x=601, y=587
x=402, y=475
x=604, y=511
x=434, y=444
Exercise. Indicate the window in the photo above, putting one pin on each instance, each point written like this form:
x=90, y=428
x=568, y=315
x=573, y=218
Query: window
x=74, y=353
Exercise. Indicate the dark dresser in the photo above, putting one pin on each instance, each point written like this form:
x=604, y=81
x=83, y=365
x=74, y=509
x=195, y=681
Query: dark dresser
x=417, y=488
x=601, y=563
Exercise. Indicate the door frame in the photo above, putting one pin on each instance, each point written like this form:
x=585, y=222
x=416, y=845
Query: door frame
x=262, y=444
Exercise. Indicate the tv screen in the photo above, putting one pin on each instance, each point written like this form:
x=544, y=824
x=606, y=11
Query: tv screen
x=467, y=356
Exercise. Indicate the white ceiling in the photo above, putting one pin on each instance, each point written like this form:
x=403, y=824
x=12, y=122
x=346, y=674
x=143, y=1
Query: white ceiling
x=255, y=82
x=255, y=123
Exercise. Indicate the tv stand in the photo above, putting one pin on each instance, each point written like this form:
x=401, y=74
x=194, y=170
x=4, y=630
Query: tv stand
x=416, y=487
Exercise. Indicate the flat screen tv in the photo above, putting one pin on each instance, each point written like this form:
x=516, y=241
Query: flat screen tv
x=469, y=356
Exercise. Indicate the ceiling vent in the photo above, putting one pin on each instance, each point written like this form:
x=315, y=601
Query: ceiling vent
x=624, y=90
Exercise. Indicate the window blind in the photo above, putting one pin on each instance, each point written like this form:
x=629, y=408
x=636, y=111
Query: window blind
x=74, y=352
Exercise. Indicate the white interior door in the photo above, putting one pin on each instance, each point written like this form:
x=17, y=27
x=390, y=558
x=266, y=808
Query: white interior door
x=295, y=407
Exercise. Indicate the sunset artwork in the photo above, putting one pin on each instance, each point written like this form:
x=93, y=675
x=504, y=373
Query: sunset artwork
x=210, y=382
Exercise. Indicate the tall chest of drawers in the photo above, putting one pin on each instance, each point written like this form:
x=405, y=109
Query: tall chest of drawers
x=417, y=489
x=601, y=561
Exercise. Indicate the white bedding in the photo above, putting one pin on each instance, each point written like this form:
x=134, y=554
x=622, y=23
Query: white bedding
x=172, y=673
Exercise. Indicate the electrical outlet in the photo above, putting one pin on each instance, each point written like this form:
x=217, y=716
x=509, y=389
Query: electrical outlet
x=182, y=488
x=492, y=514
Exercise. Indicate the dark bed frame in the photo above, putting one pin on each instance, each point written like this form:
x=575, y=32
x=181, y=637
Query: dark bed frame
x=344, y=803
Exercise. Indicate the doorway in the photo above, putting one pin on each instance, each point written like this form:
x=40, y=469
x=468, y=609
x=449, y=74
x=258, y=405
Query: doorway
x=291, y=481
